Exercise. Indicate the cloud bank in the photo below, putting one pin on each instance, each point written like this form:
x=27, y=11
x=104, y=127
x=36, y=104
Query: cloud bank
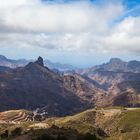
x=76, y=26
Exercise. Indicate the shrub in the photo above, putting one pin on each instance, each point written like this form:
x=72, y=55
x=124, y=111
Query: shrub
x=5, y=134
x=16, y=132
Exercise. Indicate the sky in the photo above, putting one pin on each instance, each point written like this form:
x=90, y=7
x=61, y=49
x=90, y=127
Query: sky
x=78, y=32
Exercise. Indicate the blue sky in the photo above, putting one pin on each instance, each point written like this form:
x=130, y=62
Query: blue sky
x=131, y=3
x=79, y=32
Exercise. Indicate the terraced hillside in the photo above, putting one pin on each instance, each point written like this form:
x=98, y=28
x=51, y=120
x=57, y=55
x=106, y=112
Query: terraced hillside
x=103, y=123
x=9, y=120
x=16, y=116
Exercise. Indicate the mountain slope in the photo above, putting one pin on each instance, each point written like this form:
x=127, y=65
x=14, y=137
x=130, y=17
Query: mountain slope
x=126, y=93
x=4, y=69
x=35, y=86
x=119, y=79
x=87, y=90
x=122, y=88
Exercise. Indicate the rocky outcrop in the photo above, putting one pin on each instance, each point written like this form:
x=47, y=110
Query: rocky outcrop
x=40, y=61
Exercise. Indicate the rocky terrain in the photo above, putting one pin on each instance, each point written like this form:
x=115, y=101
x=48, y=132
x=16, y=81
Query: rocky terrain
x=85, y=89
x=119, y=79
x=36, y=86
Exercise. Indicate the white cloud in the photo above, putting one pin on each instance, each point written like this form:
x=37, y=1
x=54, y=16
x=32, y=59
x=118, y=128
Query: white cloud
x=34, y=16
x=125, y=36
x=79, y=26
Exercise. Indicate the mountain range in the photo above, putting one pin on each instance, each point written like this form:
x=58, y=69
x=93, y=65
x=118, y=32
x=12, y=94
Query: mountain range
x=119, y=79
x=34, y=85
x=4, y=61
x=115, y=65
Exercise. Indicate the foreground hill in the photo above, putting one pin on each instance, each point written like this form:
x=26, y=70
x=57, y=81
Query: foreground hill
x=113, y=123
x=104, y=123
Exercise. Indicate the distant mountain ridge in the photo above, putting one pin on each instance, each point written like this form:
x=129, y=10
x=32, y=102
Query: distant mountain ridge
x=58, y=66
x=116, y=65
x=4, y=61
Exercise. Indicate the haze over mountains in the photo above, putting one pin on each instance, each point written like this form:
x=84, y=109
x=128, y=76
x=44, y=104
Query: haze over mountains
x=117, y=65
x=36, y=86
x=4, y=61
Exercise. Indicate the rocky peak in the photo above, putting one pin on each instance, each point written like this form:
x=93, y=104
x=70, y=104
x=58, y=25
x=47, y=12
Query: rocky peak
x=115, y=60
x=40, y=61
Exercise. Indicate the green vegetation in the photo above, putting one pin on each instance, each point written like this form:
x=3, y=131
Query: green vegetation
x=16, y=132
x=126, y=136
x=105, y=123
x=118, y=121
x=56, y=133
x=130, y=120
x=83, y=122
